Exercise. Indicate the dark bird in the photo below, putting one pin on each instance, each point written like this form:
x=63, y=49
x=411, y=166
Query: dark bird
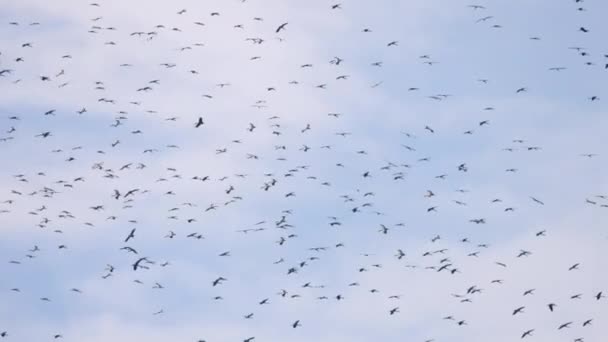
x=281, y=27
x=527, y=333
x=131, y=235
x=136, y=265
x=518, y=310
x=218, y=281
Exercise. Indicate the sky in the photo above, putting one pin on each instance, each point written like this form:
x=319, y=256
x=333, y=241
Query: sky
x=342, y=163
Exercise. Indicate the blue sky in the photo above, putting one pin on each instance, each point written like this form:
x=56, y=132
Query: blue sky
x=381, y=115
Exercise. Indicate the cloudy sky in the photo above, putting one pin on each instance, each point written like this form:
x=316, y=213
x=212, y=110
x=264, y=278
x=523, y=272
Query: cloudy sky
x=373, y=170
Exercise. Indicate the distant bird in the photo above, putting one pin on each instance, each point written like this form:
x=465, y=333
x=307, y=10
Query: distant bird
x=573, y=267
x=218, y=281
x=537, y=201
x=281, y=27
x=131, y=235
x=137, y=264
x=518, y=310
x=527, y=333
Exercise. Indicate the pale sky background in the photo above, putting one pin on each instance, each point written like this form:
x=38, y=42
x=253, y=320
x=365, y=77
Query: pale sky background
x=52, y=242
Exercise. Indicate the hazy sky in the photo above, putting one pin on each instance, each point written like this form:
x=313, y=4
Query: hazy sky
x=338, y=175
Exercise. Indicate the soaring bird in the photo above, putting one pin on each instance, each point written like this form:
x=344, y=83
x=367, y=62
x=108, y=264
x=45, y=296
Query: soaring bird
x=527, y=333
x=137, y=264
x=131, y=235
x=218, y=281
x=518, y=310
x=281, y=27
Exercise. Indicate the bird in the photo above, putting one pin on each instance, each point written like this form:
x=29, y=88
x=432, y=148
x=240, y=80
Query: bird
x=281, y=27
x=131, y=235
x=218, y=281
x=199, y=122
x=574, y=267
x=527, y=333
x=518, y=310
x=137, y=265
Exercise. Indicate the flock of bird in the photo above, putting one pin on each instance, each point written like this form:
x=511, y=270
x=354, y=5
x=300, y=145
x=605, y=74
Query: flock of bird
x=212, y=165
